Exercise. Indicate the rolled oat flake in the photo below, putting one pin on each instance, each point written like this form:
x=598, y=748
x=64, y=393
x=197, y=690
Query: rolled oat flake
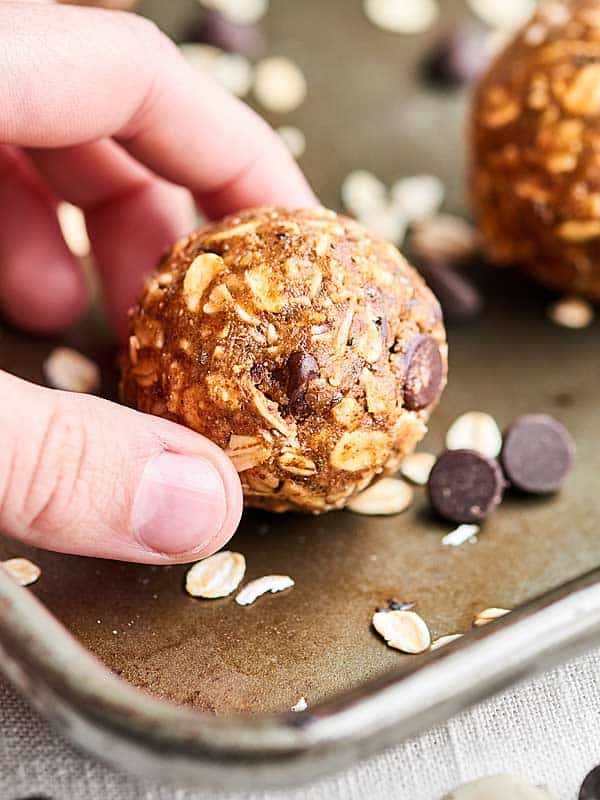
x=260, y=586
x=216, y=576
x=24, y=571
x=499, y=787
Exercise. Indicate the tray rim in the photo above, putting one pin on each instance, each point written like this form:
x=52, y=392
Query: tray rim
x=144, y=735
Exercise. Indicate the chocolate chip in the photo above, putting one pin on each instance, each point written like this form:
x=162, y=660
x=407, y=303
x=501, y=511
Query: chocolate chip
x=590, y=788
x=219, y=31
x=465, y=486
x=537, y=453
x=458, y=58
x=424, y=372
x=301, y=368
x=459, y=299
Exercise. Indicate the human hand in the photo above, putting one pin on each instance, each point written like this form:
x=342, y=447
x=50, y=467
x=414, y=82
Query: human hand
x=100, y=109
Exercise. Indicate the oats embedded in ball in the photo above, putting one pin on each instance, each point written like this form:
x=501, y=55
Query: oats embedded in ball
x=536, y=148
x=310, y=351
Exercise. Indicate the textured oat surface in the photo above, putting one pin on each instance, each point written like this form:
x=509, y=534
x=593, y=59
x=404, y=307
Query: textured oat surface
x=536, y=138
x=310, y=351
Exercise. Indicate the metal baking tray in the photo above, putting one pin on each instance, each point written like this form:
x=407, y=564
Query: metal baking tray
x=217, y=680
x=132, y=669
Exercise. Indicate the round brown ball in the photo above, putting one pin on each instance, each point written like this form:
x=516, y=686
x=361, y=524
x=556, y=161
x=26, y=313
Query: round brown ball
x=536, y=149
x=312, y=352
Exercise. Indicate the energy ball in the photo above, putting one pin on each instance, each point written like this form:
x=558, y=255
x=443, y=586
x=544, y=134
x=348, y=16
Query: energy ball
x=310, y=351
x=536, y=149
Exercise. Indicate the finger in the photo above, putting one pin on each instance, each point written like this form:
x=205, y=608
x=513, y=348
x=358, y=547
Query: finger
x=185, y=127
x=42, y=287
x=131, y=215
x=81, y=475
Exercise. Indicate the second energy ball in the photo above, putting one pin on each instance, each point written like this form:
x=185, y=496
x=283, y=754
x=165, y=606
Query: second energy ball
x=535, y=142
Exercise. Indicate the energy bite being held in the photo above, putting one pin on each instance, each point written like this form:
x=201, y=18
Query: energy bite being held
x=310, y=351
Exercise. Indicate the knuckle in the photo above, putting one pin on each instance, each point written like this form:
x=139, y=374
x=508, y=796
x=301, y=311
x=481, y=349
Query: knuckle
x=56, y=475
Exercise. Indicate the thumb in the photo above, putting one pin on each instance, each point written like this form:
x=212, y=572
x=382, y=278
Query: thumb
x=81, y=475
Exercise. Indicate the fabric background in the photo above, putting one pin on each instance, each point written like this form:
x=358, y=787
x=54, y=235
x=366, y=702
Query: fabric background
x=547, y=729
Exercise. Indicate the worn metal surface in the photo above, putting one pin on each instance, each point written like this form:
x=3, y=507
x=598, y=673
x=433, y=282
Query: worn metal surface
x=365, y=108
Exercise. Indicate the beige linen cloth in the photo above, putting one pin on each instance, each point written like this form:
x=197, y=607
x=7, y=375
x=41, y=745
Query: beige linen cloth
x=547, y=729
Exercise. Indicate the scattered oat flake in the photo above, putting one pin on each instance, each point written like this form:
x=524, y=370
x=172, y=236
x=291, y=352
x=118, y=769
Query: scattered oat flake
x=73, y=229
x=362, y=192
x=417, y=466
x=260, y=586
x=401, y=16
x=403, y=630
x=499, y=787
x=279, y=84
x=503, y=13
x=444, y=640
x=477, y=431
x=571, y=312
x=444, y=237
x=216, y=576
x=24, y=572
x=386, y=223
x=71, y=371
x=460, y=535
x=241, y=12
x=386, y=496
x=294, y=139
x=301, y=705
x=233, y=71
x=489, y=615
x=418, y=197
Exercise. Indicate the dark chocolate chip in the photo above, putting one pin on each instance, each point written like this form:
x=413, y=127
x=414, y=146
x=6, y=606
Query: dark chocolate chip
x=218, y=30
x=301, y=368
x=424, y=370
x=458, y=58
x=537, y=453
x=399, y=605
x=590, y=788
x=465, y=486
x=459, y=299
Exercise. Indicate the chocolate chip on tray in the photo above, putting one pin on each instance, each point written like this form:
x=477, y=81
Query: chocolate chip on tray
x=460, y=300
x=221, y=31
x=590, y=788
x=424, y=373
x=537, y=453
x=465, y=486
x=458, y=58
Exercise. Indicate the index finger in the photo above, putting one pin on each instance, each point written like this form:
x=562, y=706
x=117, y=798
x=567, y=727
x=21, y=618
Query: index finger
x=76, y=75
